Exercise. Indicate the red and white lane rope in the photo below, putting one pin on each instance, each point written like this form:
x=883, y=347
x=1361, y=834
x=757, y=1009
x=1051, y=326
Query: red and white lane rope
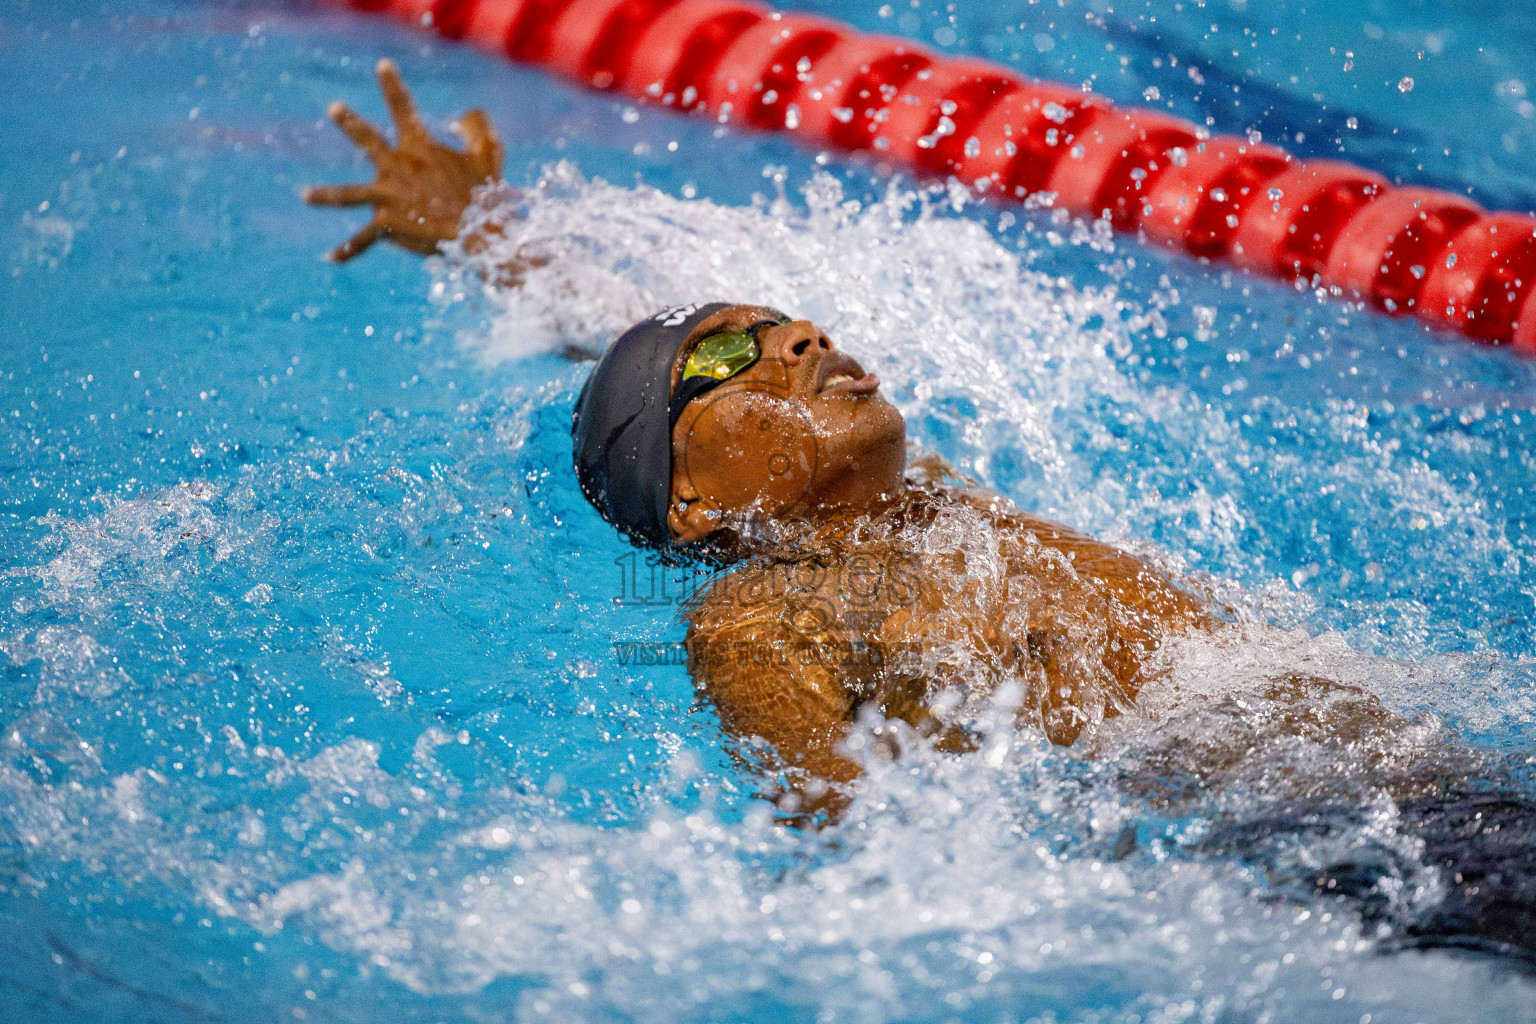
x=1432, y=254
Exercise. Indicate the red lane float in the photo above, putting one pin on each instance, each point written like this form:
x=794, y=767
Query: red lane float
x=1430, y=253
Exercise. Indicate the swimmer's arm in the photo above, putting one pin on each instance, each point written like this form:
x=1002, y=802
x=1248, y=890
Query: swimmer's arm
x=422, y=187
x=1135, y=583
x=1105, y=588
x=1139, y=586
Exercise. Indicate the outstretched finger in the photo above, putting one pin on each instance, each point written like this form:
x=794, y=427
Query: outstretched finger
x=359, y=131
x=484, y=145
x=357, y=243
x=340, y=195
x=401, y=107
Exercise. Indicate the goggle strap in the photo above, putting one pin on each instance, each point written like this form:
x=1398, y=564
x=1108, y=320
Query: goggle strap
x=687, y=390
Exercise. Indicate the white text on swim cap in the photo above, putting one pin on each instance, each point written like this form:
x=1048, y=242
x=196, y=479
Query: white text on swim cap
x=677, y=314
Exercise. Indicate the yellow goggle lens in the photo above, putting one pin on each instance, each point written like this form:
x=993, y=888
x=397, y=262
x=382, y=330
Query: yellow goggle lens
x=722, y=356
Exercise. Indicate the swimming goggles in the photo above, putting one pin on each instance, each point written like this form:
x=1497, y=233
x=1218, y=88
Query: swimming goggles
x=715, y=360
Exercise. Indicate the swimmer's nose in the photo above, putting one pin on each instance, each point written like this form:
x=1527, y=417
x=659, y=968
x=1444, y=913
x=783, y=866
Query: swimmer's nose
x=797, y=343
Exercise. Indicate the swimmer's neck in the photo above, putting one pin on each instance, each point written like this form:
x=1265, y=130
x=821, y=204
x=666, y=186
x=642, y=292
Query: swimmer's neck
x=831, y=529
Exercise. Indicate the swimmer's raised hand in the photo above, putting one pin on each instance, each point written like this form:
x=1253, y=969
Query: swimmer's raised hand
x=423, y=187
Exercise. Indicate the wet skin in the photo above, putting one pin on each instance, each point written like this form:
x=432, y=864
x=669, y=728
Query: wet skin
x=876, y=608
x=804, y=437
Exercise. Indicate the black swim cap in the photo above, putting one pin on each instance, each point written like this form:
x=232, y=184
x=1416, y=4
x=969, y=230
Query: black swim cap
x=621, y=435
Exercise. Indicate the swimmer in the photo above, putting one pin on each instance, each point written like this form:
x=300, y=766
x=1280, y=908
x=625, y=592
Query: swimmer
x=744, y=436
x=853, y=579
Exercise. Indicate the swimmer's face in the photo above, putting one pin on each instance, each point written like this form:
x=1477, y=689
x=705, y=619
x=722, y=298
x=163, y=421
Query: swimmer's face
x=803, y=427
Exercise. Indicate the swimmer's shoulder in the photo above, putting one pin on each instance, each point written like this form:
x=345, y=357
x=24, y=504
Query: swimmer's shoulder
x=1134, y=582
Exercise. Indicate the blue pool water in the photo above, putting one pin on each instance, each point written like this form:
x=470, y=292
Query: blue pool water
x=311, y=698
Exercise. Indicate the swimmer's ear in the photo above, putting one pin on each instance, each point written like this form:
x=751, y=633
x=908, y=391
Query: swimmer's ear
x=688, y=518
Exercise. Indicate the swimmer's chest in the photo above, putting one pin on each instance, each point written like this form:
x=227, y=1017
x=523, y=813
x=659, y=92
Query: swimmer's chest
x=891, y=600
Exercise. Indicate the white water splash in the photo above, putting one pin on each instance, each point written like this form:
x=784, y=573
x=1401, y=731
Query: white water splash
x=1021, y=377
x=973, y=887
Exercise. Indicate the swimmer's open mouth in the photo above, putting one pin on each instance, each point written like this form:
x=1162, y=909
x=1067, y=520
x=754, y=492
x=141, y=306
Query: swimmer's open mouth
x=842, y=374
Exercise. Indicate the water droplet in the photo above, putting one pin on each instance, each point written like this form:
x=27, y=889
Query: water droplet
x=1275, y=194
x=972, y=147
x=1417, y=270
x=1352, y=122
x=1405, y=84
x=1151, y=94
x=1219, y=195
x=1450, y=260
